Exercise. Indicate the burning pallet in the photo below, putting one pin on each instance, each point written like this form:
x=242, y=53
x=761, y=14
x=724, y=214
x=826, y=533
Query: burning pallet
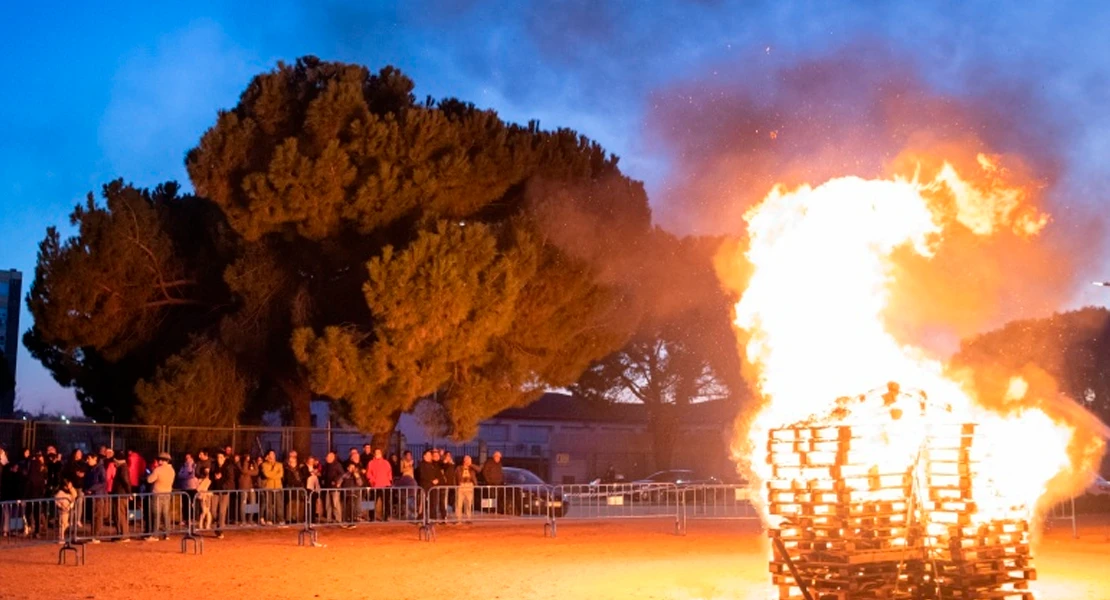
x=856, y=528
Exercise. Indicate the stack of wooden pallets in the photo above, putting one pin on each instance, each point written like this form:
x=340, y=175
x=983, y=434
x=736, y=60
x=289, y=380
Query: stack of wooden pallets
x=966, y=555
x=856, y=530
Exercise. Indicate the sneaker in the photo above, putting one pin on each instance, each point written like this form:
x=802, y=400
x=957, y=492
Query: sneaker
x=152, y=539
x=125, y=541
x=219, y=536
x=61, y=542
x=262, y=522
x=94, y=541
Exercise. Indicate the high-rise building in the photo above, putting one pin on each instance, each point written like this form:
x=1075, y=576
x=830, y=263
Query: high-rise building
x=11, y=290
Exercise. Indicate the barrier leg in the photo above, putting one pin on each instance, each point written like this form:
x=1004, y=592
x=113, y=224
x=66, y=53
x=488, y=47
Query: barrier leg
x=198, y=543
x=78, y=551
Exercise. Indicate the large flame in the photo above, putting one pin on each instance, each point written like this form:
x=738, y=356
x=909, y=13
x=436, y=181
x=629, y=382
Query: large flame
x=815, y=312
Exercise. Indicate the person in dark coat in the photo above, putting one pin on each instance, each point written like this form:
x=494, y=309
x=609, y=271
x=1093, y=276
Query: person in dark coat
x=121, y=498
x=223, y=484
x=429, y=475
x=96, y=486
x=492, y=475
x=331, y=479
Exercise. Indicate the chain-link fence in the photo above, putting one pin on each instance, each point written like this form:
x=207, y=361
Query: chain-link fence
x=88, y=437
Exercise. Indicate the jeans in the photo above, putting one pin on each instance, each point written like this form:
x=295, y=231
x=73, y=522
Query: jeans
x=464, y=503
x=123, y=523
x=100, y=514
x=333, y=506
x=247, y=497
x=273, y=505
x=222, y=502
x=161, y=518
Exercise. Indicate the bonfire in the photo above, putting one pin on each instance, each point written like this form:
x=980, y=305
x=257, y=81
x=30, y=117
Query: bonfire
x=882, y=474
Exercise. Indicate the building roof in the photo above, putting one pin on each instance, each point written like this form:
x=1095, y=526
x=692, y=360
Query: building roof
x=556, y=406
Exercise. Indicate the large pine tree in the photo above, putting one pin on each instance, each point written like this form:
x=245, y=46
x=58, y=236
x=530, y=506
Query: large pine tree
x=350, y=242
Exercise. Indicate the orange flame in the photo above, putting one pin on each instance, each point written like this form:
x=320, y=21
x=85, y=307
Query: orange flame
x=814, y=311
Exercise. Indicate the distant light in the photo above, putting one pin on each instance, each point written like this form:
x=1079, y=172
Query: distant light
x=462, y=223
x=94, y=420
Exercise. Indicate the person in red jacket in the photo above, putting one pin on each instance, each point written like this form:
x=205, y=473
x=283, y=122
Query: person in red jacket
x=136, y=469
x=380, y=474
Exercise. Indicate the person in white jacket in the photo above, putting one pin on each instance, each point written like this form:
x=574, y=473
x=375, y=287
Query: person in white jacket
x=161, y=480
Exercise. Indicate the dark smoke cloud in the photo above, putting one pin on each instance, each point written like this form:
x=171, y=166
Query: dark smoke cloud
x=737, y=130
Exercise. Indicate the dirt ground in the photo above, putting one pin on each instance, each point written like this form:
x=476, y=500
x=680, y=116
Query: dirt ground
x=591, y=561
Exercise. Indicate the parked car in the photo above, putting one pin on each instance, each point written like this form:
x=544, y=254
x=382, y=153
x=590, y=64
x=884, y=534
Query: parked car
x=1099, y=487
x=530, y=495
x=681, y=478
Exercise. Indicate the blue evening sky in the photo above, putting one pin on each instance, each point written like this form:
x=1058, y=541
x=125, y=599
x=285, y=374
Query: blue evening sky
x=97, y=90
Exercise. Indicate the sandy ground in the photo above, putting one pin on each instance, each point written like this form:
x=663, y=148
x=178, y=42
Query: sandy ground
x=590, y=561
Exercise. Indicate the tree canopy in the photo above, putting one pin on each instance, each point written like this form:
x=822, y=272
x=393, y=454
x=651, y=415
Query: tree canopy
x=347, y=241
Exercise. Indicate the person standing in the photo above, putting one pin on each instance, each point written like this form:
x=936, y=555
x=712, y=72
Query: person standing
x=35, y=490
x=74, y=472
x=64, y=500
x=467, y=477
x=187, y=481
x=450, y=480
x=428, y=476
x=204, y=499
x=293, y=480
x=248, y=471
x=161, y=480
x=408, y=467
x=332, y=480
x=493, y=476
x=380, y=474
x=96, y=486
x=121, y=496
x=272, y=474
x=223, y=486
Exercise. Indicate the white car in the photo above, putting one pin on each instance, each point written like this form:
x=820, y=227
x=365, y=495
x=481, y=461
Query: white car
x=1099, y=487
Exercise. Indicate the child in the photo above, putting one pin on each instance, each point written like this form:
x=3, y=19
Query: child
x=204, y=497
x=64, y=499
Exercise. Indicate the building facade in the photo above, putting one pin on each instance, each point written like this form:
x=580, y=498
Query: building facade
x=11, y=292
x=566, y=440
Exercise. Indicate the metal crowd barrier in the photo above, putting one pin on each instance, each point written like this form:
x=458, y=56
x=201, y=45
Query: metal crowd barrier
x=717, y=502
x=26, y=523
x=1063, y=512
x=148, y=516
x=353, y=507
x=588, y=502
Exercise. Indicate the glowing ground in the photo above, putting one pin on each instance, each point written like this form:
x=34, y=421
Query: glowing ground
x=610, y=561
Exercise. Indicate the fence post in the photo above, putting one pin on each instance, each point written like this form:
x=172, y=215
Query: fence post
x=29, y=435
x=1074, y=525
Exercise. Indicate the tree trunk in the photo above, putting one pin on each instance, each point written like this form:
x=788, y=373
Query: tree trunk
x=662, y=425
x=300, y=413
x=384, y=439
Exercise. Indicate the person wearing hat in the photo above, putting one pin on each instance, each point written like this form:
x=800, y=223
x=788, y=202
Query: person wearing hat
x=161, y=483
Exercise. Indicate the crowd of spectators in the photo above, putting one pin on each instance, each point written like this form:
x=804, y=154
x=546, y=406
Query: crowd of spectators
x=109, y=494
